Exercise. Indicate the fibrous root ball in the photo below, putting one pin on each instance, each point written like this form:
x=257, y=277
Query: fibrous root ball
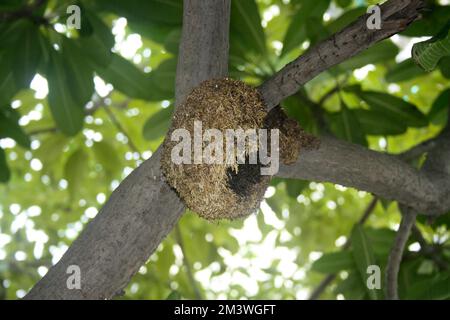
x=226, y=189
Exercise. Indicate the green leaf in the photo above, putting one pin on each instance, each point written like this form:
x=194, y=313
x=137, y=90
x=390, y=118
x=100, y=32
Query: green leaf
x=405, y=70
x=8, y=87
x=334, y=262
x=127, y=78
x=154, y=31
x=315, y=30
x=444, y=66
x=394, y=108
x=246, y=28
x=51, y=150
x=27, y=55
x=156, y=126
x=302, y=113
x=9, y=5
x=95, y=42
x=165, y=260
x=432, y=21
x=11, y=32
x=172, y=41
x=163, y=80
x=363, y=255
x=75, y=170
x=443, y=219
x=174, y=295
x=439, y=109
x=428, y=53
x=346, y=125
x=78, y=71
x=5, y=174
x=376, y=123
x=9, y=127
x=295, y=187
x=352, y=288
x=67, y=113
x=159, y=11
x=343, y=3
x=381, y=240
x=20, y=54
x=107, y=156
x=296, y=33
x=381, y=52
x=345, y=19
x=437, y=288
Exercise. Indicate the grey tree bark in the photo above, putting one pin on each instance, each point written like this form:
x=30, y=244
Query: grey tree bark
x=143, y=210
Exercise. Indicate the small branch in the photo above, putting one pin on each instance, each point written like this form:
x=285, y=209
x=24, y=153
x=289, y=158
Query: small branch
x=395, y=257
x=328, y=95
x=384, y=175
x=120, y=128
x=418, y=150
x=187, y=264
x=355, y=38
x=329, y=278
x=322, y=286
x=37, y=132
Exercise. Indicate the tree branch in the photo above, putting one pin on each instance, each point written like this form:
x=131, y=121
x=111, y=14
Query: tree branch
x=395, y=256
x=437, y=169
x=187, y=263
x=396, y=16
x=143, y=209
x=384, y=175
x=418, y=150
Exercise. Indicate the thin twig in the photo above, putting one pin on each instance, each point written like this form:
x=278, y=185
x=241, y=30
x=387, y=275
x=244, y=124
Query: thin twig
x=119, y=127
x=329, y=278
x=396, y=254
x=42, y=131
x=336, y=88
x=418, y=150
x=187, y=264
x=322, y=286
x=328, y=95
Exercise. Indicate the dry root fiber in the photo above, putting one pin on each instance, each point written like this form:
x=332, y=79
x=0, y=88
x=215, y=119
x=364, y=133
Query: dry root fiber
x=224, y=191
